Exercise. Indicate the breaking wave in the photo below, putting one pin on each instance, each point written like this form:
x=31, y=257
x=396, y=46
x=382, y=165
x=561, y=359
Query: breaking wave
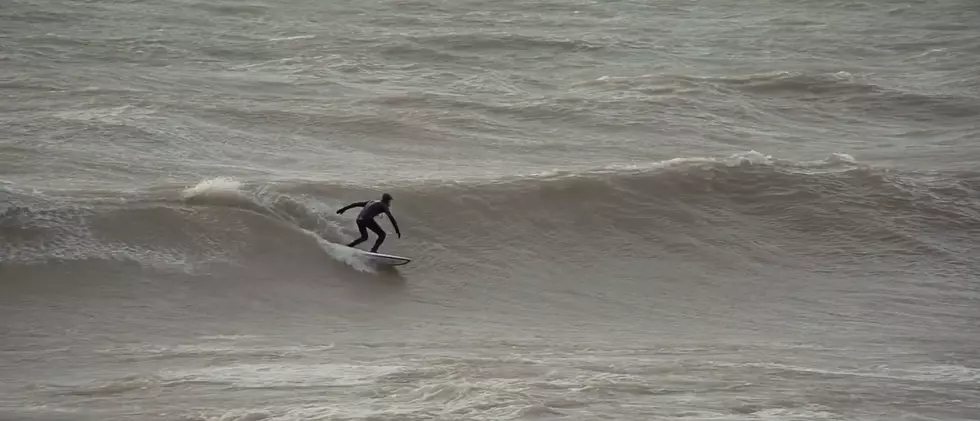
x=760, y=207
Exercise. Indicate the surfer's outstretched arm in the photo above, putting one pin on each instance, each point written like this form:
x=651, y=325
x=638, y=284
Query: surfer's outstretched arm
x=352, y=205
x=394, y=223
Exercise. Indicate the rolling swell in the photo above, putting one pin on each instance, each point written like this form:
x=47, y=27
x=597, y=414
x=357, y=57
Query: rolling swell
x=833, y=211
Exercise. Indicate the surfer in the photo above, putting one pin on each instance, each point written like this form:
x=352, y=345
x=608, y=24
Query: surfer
x=365, y=220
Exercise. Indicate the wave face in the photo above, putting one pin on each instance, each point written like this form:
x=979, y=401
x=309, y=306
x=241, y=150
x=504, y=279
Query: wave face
x=837, y=207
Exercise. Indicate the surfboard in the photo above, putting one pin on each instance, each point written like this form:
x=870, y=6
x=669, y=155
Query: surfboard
x=386, y=259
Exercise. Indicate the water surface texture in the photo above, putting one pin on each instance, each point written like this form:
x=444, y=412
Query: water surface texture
x=630, y=210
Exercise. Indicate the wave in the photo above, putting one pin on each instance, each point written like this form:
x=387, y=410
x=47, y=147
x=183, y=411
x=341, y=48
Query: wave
x=840, y=88
x=749, y=204
x=617, y=101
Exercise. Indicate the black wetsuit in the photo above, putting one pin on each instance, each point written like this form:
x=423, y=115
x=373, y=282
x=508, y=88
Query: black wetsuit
x=365, y=221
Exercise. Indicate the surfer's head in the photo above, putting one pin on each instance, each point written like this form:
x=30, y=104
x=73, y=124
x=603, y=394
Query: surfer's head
x=386, y=198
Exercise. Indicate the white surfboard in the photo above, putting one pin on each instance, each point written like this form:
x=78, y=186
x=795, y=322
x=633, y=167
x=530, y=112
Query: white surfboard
x=386, y=259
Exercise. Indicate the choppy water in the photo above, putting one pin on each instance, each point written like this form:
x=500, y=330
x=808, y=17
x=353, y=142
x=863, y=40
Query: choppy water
x=617, y=210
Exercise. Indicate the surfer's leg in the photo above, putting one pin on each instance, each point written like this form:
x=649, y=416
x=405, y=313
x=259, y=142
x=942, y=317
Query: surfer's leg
x=364, y=235
x=377, y=230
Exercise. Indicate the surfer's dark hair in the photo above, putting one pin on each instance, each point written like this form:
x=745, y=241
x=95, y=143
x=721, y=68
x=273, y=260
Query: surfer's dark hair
x=385, y=197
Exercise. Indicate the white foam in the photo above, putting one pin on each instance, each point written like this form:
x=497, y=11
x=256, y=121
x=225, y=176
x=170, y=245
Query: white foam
x=344, y=254
x=215, y=187
x=745, y=158
x=284, y=375
x=837, y=158
x=750, y=157
x=110, y=115
x=927, y=373
x=293, y=38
